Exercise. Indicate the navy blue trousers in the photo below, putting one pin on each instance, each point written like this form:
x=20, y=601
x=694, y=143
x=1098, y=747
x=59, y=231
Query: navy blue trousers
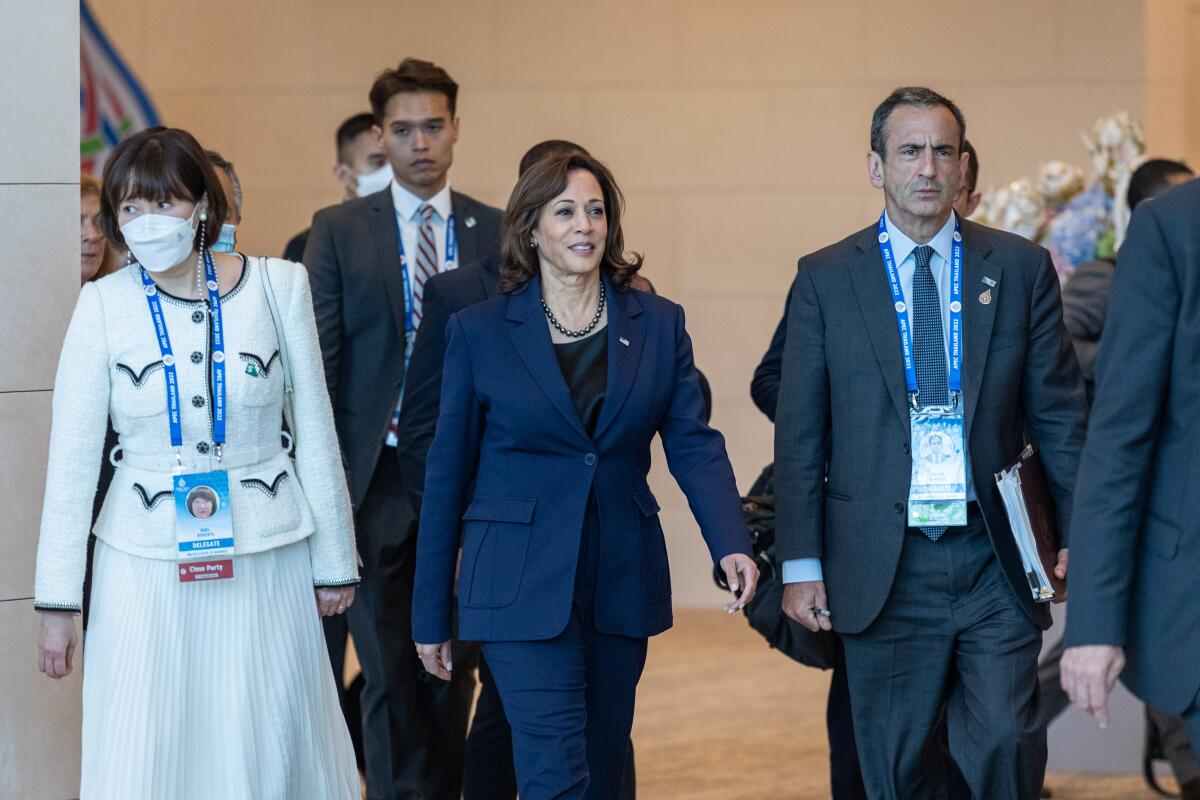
x=569, y=700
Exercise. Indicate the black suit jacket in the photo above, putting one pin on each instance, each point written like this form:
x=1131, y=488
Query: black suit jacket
x=1085, y=307
x=353, y=260
x=764, y=386
x=294, y=250
x=1136, y=535
x=445, y=294
x=843, y=411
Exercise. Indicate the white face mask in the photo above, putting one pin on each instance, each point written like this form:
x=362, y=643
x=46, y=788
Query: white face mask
x=373, y=182
x=159, y=241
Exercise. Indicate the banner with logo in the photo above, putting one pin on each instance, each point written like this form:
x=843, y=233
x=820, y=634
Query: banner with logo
x=112, y=103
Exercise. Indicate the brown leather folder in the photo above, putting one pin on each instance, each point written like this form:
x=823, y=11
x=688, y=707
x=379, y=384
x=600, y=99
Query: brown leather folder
x=1040, y=508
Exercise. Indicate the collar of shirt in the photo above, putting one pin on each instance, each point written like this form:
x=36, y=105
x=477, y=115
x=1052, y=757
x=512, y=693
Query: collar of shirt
x=407, y=204
x=902, y=246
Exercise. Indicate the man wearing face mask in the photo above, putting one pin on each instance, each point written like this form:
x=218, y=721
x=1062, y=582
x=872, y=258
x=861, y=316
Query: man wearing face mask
x=227, y=177
x=368, y=260
x=361, y=169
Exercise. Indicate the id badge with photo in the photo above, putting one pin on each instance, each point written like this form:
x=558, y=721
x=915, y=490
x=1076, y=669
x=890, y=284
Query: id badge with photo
x=938, y=490
x=203, y=526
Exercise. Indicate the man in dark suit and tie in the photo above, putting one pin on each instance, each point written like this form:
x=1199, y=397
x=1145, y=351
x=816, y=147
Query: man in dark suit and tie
x=845, y=777
x=924, y=322
x=369, y=260
x=1133, y=609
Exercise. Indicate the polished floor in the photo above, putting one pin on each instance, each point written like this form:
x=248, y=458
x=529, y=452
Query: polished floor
x=722, y=717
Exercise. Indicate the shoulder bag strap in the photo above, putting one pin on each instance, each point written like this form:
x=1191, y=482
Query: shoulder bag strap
x=289, y=410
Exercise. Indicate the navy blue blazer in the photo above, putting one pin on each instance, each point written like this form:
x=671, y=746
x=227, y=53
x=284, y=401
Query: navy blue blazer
x=511, y=469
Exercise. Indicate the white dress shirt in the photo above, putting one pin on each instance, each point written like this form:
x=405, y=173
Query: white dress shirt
x=809, y=569
x=408, y=216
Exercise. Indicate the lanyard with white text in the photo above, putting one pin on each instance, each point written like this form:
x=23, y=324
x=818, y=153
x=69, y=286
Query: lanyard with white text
x=451, y=253
x=893, y=274
x=168, y=359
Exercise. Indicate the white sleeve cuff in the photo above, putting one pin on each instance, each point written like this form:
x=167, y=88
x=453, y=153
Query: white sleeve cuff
x=798, y=570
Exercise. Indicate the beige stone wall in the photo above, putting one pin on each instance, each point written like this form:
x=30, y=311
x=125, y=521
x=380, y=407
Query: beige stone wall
x=738, y=130
x=39, y=278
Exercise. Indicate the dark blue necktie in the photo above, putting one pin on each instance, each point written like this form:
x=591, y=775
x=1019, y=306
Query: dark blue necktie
x=929, y=344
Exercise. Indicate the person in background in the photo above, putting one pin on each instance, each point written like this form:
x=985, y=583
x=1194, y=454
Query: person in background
x=1086, y=295
x=218, y=688
x=369, y=260
x=227, y=175
x=845, y=776
x=362, y=168
x=543, y=451
x=92, y=247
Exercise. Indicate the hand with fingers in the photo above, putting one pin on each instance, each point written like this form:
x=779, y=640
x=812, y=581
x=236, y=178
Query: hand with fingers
x=805, y=602
x=1059, y=578
x=335, y=600
x=1089, y=673
x=741, y=573
x=57, y=640
x=437, y=659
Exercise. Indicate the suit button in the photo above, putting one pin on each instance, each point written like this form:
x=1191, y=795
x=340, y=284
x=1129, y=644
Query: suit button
x=899, y=508
x=197, y=356
x=590, y=459
x=197, y=316
x=202, y=448
x=198, y=401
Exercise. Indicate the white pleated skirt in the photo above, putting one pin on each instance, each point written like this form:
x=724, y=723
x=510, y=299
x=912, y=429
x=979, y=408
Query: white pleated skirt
x=210, y=690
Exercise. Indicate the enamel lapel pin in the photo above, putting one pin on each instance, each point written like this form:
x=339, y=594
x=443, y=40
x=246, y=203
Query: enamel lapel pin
x=623, y=340
x=986, y=297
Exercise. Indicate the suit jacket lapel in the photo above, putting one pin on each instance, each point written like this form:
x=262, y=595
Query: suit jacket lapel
x=385, y=233
x=626, y=336
x=869, y=279
x=978, y=316
x=466, y=231
x=532, y=340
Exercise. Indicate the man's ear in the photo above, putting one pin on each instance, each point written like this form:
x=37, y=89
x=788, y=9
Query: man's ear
x=345, y=176
x=875, y=169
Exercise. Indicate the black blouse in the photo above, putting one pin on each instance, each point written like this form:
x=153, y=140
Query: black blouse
x=584, y=365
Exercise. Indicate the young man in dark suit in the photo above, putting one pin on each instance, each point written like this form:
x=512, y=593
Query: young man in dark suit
x=931, y=601
x=369, y=260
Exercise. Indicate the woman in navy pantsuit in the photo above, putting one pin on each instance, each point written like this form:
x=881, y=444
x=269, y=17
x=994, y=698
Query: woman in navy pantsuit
x=551, y=396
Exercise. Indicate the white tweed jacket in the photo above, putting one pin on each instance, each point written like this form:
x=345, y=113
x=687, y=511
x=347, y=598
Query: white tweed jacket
x=111, y=366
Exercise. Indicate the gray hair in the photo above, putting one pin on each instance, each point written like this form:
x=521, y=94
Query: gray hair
x=219, y=161
x=911, y=96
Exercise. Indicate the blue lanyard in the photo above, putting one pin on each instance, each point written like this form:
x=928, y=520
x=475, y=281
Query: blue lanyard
x=168, y=358
x=893, y=274
x=451, y=254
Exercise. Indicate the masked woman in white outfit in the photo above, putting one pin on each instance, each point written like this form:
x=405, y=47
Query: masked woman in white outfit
x=204, y=667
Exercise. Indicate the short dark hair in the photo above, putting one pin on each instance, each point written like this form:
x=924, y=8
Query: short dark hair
x=1151, y=178
x=160, y=164
x=911, y=96
x=972, y=166
x=540, y=184
x=225, y=165
x=350, y=130
x=413, y=75
x=547, y=148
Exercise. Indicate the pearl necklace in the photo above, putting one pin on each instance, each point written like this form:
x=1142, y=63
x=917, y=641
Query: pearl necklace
x=579, y=334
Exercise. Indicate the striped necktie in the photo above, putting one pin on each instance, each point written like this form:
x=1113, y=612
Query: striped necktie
x=425, y=266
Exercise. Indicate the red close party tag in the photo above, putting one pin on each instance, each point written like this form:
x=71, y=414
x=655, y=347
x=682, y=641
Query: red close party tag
x=190, y=571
